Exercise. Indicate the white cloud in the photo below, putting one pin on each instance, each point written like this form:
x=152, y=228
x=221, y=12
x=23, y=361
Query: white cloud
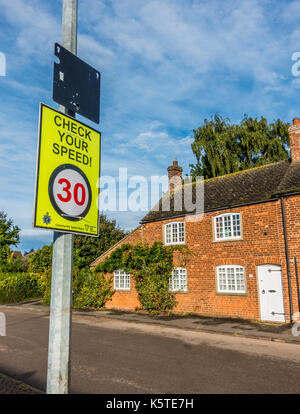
x=149, y=141
x=89, y=46
x=35, y=27
x=31, y=91
x=290, y=12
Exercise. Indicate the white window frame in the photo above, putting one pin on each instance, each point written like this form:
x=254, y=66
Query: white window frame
x=222, y=217
x=172, y=225
x=234, y=279
x=182, y=281
x=126, y=282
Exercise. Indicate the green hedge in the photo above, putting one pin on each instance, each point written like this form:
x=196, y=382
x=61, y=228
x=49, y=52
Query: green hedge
x=91, y=290
x=5, y=275
x=152, y=284
x=21, y=287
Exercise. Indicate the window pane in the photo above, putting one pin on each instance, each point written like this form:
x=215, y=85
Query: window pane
x=240, y=279
x=236, y=225
x=174, y=233
x=121, y=280
x=117, y=281
x=227, y=226
x=181, y=232
x=127, y=281
x=231, y=279
x=168, y=233
x=222, y=278
x=219, y=227
x=178, y=280
x=183, y=284
x=176, y=285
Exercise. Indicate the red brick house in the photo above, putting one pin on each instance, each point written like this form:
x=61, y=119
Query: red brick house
x=244, y=246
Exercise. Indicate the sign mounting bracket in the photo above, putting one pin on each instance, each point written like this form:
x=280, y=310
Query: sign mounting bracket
x=76, y=85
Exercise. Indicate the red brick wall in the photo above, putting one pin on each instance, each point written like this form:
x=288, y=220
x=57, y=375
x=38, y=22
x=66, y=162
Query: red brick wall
x=262, y=243
x=254, y=248
x=292, y=212
x=127, y=300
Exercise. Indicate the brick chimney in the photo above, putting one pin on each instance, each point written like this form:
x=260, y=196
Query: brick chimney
x=175, y=175
x=294, y=132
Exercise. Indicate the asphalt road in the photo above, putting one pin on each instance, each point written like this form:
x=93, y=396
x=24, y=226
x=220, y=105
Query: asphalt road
x=116, y=357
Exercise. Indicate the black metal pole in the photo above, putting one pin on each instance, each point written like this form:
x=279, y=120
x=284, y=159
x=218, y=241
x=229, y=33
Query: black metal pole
x=297, y=281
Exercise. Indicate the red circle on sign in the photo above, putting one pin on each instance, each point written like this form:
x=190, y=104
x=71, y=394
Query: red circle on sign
x=70, y=192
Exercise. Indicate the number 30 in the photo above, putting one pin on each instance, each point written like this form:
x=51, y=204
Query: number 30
x=68, y=195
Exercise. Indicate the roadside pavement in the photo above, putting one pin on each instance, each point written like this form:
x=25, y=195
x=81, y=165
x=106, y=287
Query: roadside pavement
x=9, y=385
x=234, y=327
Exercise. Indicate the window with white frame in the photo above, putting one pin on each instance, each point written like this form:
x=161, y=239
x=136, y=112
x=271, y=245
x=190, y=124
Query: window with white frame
x=174, y=233
x=121, y=280
x=228, y=226
x=178, y=281
x=231, y=279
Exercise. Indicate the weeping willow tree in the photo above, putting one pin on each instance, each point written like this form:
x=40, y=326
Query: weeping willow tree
x=221, y=147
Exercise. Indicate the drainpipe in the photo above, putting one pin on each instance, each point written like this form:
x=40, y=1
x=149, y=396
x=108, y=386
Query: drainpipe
x=287, y=258
x=297, y=282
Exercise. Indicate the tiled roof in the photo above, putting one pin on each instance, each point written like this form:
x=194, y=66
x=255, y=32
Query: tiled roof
x=244, y=187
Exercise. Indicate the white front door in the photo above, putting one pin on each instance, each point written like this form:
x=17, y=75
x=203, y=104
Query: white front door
x=270, y=293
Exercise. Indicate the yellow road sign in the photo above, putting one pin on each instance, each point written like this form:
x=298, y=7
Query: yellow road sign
x=67, y=177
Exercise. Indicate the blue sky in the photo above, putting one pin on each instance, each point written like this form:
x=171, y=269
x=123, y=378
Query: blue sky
x=165, y=66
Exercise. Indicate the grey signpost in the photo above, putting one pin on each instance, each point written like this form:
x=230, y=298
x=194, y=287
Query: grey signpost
x=61, y=284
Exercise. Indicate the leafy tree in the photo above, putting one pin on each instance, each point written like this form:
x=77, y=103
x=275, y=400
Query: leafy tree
x=14, y=266
x=221, y=147
x=9, y=236
x=87, y=249
x=40, y=261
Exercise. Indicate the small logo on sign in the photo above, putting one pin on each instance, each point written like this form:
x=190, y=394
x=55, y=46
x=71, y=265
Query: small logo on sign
x=47, y=218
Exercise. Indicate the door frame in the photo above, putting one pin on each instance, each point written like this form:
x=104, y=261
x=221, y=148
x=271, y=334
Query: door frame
x=258, y=291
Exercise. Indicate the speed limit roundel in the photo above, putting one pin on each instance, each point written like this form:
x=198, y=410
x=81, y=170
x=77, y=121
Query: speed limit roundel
x=70, y=192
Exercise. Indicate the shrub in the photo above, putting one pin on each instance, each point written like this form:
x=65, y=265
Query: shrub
x=40, y=261
x=46, y=280
x=14, y=266
x=79, y=277
x=21, y=287
x=152, y=267
x=5, y=275
x=152, y=284
x=91, y=290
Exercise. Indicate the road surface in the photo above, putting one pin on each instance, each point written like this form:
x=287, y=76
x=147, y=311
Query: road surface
x=116, y=357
